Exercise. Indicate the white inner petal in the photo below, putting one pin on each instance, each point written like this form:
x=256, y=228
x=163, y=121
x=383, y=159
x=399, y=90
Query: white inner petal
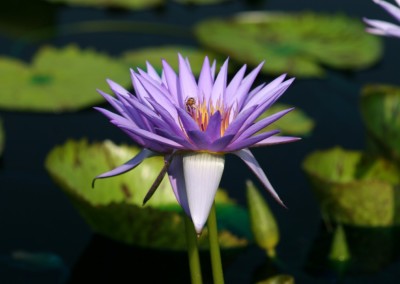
x=202, y=172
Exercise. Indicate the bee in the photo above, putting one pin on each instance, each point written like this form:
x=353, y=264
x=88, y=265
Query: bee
x=190, y=104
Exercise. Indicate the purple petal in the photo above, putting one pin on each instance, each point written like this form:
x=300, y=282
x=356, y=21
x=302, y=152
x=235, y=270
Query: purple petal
x=252, y=163
x=152, y=136
x=145, y=153
x=390, y=8
x=153, y=73
x=199, y=139
x=244, y=88
x=205, y=81
x=221, y=144
x=273, y=140
x=237, y=123
x=259, y=125
x=140, y=91
x=219, y=87
x=263, y=94
x=177, y=180
x=187, y=82
x=248, y=142
x=234, y=85
x=172, y=82
x=118, y=89
x=187, y=121
x=213, y=130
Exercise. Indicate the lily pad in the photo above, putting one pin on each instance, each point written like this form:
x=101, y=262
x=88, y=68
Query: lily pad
x=1, y=137
x=296, y=43
x=380, y=109
x=353, y=188
x=58, y=80
x=124, y=4
x=295, y=122
x=114, y=207
x=154, y=55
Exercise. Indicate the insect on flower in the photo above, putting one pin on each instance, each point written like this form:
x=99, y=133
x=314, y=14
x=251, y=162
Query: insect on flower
x=193, y=124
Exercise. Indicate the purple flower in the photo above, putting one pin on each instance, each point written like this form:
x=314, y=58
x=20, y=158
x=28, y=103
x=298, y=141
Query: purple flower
x=385, y=28
x=193, y=124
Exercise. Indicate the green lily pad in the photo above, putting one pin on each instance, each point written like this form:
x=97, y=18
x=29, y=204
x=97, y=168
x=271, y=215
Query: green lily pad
x=114, y=207
x=58, y=80
x=295, y=122
x=1, y=137
x=154, y=55
x=124, y=4
x=296, y=43
x=353, y=188
x=380, y=109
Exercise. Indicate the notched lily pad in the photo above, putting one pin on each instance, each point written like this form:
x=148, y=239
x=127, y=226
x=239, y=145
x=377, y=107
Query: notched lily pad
x=295, y=122
x=57, y=80
x=154, y=55
x=353, y=188
x=296, y=43
x=124, y=4
x=114, y=207
x=380, y=109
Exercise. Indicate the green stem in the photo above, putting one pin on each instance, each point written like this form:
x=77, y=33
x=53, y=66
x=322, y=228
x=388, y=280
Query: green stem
x=193, y=252
x=215, y=253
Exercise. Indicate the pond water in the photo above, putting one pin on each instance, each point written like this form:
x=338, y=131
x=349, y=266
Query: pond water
x=35, y=216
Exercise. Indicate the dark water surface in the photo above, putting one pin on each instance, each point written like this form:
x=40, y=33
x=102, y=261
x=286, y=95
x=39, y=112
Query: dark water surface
x=35, y=216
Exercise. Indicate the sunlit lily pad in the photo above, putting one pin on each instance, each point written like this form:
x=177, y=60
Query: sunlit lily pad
x=154, y=55
x=114, y=207
x=58, y=80
x=296, y=43
x=125, y=4
x=295, y=122
x=380, y=109
x=354, y=189
x=1, y=137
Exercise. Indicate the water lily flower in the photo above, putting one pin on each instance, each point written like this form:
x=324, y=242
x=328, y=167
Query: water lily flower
x=379, y=27
x=193, y=124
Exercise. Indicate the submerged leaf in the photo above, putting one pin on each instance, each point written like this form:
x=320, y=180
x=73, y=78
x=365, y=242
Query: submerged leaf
x=58, y=80
x=278, y=279
x=154, y=55
x=342, y=178
x=298, y=44
x=263, y=224
x=339, y=249
x=124, y=4
x=294, y=123
x=380, y=109
x=114, y=207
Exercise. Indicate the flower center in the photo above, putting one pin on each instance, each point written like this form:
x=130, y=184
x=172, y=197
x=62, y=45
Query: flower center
x=201, y=113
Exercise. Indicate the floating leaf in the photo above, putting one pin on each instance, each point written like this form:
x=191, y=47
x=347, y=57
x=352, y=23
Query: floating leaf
x=298, y=43
x=1, y=137
x=295, y=122
x=154, y=55
x=263, y=224
x=380, y=109
x=124, y=4
x=114, y=207
x=58, y=80
x=353, y=188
